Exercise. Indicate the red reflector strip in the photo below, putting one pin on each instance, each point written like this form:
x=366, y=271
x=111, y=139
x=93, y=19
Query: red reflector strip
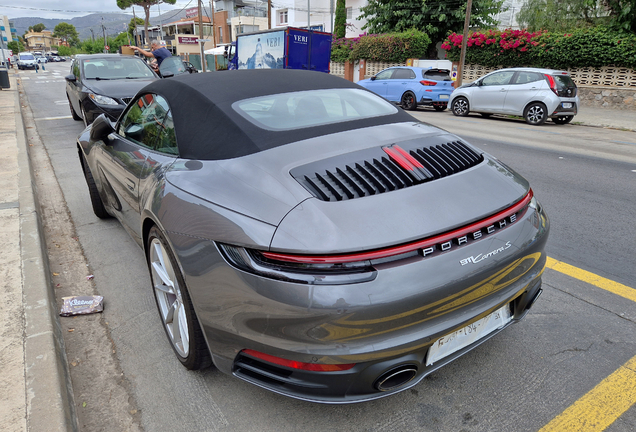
x=409, y=247
x=313, y=367
x=408, y=157
x=398, y=158
x=428, y=83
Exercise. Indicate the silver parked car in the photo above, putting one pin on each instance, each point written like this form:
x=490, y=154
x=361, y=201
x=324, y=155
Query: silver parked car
x=535, y=94
x=309, y=237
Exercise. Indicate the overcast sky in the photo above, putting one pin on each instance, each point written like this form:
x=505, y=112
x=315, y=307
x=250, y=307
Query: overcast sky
x=67, y=9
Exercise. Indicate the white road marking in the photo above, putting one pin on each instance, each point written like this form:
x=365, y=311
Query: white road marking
x=60, y=102
x=53, y=118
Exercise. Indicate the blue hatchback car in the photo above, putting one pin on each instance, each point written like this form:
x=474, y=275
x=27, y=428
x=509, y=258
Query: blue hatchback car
x=412, y=86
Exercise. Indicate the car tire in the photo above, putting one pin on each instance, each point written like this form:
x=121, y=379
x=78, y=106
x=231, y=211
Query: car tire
x=485, y=115
x=408, y=101
x=562, y=119
x=96, y=201
x=535, y=114
x=174, y=304
x=440, y=107
x=460, y=107
x=73, y=113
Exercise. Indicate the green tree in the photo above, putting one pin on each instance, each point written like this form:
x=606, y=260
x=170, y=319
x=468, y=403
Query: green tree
x=146, y=5
x=134, y=22
x=38, y=27
x=340, y=25
x=561, y=15
x=67, y=33
x=15, y=46
x=623, y=14
x=436, y=18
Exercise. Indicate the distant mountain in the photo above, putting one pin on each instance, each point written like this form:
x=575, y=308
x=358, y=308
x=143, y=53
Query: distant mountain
x=114, y=23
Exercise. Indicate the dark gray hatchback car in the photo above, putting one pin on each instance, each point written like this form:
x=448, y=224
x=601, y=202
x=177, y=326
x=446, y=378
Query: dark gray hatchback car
x=309, y=237
x=104, y=84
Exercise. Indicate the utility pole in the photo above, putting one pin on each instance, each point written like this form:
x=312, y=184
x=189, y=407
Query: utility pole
x=213, y=28
x=135, y=23
x=269, y=14
x=201, y=43
x=462, y=56
x=160, y=24
x=308, y=13
x=104, y=33
x=331, y=22
x=93, y=34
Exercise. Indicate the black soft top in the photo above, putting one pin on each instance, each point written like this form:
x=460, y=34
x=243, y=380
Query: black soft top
x=208, y=128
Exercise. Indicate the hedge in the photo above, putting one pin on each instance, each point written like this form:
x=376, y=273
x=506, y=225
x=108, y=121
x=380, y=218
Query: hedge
x=389, y=47
x=586, y=47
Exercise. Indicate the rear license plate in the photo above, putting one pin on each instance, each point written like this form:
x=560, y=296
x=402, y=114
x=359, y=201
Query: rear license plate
x=461, y=338
x=443, y=97
x=567, y=104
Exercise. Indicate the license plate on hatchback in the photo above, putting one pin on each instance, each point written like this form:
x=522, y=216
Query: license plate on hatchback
x=567, y=104
x=463, y=337
x=442, y=97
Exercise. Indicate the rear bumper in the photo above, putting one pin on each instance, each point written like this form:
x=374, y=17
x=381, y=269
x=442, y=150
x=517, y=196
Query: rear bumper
x=382, y=325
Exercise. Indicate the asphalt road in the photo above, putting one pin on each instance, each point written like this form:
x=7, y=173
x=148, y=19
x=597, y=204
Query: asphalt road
x=574, y=337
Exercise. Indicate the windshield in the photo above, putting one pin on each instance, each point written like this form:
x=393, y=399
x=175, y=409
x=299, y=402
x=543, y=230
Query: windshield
x=116, y=68
x=26, y=57
x=286, y=111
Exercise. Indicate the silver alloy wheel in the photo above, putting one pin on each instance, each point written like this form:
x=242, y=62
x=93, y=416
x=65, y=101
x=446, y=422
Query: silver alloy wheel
x=460, y=107
x=169, y=299
x=535, y=114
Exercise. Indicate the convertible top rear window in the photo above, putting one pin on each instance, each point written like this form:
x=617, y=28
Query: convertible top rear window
x=235, y=113
x=287, y=111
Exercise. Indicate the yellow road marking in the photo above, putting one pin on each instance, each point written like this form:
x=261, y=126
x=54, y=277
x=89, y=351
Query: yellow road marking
x=591, y=278
x=599, y=408
x=606, y=402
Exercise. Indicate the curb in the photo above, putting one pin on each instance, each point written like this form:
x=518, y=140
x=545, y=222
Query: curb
x=49, y=396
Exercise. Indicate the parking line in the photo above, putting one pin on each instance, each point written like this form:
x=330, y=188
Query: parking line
x=591, y=278
x=600, y=407
x=54, y=118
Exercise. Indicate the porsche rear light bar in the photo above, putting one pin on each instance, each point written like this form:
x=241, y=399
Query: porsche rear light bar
x=360, y=267
x=312, y=367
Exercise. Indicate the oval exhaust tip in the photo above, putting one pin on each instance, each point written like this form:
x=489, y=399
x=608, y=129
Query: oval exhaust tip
x=396, y=378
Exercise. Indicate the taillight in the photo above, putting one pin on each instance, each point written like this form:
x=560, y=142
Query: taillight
x=428, y=83
x=553, y=85
x=299, y=268
x=313, y=367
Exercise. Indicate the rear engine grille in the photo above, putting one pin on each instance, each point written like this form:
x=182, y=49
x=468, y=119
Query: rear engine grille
x=384, y=169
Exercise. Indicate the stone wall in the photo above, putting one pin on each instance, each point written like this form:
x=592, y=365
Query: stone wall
x=616, y=98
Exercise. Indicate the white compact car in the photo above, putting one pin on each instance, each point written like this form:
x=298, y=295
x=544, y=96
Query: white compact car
x=26, y=60
x=533, y=93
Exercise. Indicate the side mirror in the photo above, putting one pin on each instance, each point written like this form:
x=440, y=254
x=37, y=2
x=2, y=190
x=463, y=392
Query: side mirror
x=70, y=78
x=167, y=74
x=101, y=128
x=372, y=78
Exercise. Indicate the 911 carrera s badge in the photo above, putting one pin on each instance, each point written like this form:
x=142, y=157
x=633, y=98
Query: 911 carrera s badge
x=475, y=259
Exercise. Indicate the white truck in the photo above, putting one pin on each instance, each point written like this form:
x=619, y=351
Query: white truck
x=5, y=55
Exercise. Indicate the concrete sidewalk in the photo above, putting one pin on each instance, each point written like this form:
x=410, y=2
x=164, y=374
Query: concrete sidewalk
x=35, y=391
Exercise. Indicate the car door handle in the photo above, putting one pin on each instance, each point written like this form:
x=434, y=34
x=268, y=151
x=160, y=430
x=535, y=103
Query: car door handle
x=502, y=90
x=130, y=184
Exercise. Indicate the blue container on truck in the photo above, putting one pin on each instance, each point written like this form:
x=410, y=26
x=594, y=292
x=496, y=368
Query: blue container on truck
x=285, y=48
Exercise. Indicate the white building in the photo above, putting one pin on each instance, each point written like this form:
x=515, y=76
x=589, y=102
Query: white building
x=508, y=18
x=293, y=13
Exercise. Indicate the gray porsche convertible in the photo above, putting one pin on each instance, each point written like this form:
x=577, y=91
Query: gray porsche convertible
x=307, y=236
